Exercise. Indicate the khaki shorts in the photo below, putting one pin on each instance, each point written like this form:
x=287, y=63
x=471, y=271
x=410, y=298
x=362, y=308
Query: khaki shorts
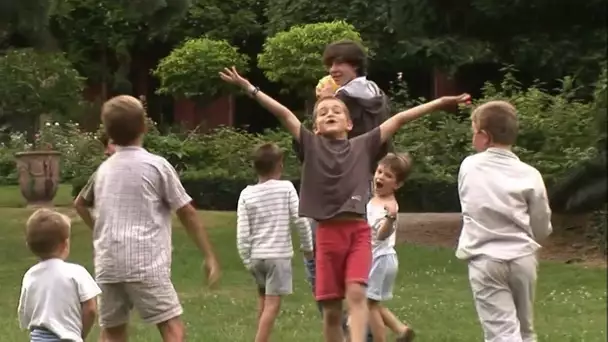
x=155, y=301
x=272, y=276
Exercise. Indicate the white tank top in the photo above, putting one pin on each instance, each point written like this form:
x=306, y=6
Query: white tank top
x=375, y=218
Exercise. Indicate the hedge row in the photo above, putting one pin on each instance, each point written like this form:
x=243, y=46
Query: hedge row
x=220, y=193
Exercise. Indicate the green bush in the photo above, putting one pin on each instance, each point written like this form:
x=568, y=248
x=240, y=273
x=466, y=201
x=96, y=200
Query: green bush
x=191, y=70
x=557, y=132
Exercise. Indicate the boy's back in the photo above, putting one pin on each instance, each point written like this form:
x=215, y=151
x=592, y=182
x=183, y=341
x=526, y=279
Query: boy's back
x=504, y=206
x=51, y=297
x=265, y=212
x=135, y=192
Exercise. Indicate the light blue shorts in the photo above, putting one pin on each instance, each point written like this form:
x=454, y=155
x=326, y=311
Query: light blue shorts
x=382, y=277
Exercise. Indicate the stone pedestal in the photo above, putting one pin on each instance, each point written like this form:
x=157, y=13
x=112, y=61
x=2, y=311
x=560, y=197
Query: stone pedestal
x=39, y=176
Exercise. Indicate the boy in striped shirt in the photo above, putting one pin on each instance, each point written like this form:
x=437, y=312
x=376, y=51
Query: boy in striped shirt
x=265, y=211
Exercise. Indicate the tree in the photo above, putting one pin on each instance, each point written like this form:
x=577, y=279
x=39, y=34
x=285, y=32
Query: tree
x=101, y=36
x=192, y=70
x=293, y=57
x=36, y=83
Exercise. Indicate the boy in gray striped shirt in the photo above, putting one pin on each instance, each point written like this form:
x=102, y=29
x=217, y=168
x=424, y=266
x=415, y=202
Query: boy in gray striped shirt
x=265, y=211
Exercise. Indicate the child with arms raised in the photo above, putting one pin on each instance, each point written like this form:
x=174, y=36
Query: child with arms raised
x=505, y=213
x=264, y=213
x=335, y=185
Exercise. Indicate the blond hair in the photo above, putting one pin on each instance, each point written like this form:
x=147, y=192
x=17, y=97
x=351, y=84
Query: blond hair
x=45, y=231
x=399, y=163
x=499, y=120
x=124, y=119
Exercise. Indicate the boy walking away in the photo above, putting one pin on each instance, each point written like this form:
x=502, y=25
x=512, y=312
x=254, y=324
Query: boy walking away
x=506, y=215
x=264, y=213
x=135, y=192
x=335, y=185
x=57, y=301
x=382, y=212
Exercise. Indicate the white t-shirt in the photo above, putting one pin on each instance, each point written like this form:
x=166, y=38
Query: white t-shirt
x=375, y=219
x=51, y=295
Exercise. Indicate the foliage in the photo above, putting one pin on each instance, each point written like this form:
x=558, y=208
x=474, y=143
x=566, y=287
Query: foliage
x=36, y=83
x=550, y=39
x=191, y=70
x=293, y=57
x=557, y=131
x=102, y=37
x=233, y=20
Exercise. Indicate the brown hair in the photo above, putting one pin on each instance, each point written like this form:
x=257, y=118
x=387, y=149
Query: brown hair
x=499, y=120
x=326, y=98
x=45, y=231
x=346, y=51
x=266, y=157
x=124, y=119
x=104, y=139
x=399, y=163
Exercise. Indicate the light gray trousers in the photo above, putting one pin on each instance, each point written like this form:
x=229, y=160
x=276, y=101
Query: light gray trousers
x=504, y=297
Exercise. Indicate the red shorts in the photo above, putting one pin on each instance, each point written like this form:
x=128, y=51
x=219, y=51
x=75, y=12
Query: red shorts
x=343, y=255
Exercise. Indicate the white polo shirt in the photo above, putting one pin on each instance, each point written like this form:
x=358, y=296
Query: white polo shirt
x=52, y=294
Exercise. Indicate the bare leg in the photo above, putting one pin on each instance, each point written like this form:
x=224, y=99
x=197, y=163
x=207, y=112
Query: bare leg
x=376, y=322
x=114, y=334
x=391, y=321
x=332, y=321
x=172, y=330
x=272, y=306
x=261, y=297
x=358, y=311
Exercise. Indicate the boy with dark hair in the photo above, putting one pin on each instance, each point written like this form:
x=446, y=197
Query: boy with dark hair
x=505, y=214
x=334, y=192
x=265, y=211
x=135, y=192
x=57, y=301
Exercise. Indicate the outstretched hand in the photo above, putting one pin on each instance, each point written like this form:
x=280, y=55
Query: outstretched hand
x=460, y=99
x=232, y=76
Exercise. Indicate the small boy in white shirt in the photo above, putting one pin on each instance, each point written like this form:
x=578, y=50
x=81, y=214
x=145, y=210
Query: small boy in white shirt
x=505, y=214
x=265, y=211
x=57, y=301
x=382, y=211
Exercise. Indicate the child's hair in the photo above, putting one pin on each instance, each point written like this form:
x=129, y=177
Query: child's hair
x=399, y=163
x=326, y=98
x=346, y=51
x=45, y=231
x=104, y=139
x=266, y=157
x=124, y=119
x=499, y=120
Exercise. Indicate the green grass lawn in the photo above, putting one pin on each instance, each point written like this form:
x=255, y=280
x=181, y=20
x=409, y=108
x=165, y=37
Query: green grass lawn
x=432, y=292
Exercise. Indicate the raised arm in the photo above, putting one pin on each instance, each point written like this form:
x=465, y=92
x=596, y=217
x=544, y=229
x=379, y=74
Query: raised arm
x=285, y=116
x=540, y=212
x=389, y=127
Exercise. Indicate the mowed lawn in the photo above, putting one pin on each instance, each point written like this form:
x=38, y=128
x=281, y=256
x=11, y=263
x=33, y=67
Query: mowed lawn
x=432, y=291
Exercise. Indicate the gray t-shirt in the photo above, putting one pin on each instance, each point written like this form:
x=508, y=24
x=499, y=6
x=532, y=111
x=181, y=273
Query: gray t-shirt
x=335, y=173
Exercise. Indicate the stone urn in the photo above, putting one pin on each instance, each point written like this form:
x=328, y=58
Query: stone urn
x=38, y=173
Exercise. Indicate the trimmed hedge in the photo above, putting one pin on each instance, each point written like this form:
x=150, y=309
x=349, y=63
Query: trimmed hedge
x=221, y=193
